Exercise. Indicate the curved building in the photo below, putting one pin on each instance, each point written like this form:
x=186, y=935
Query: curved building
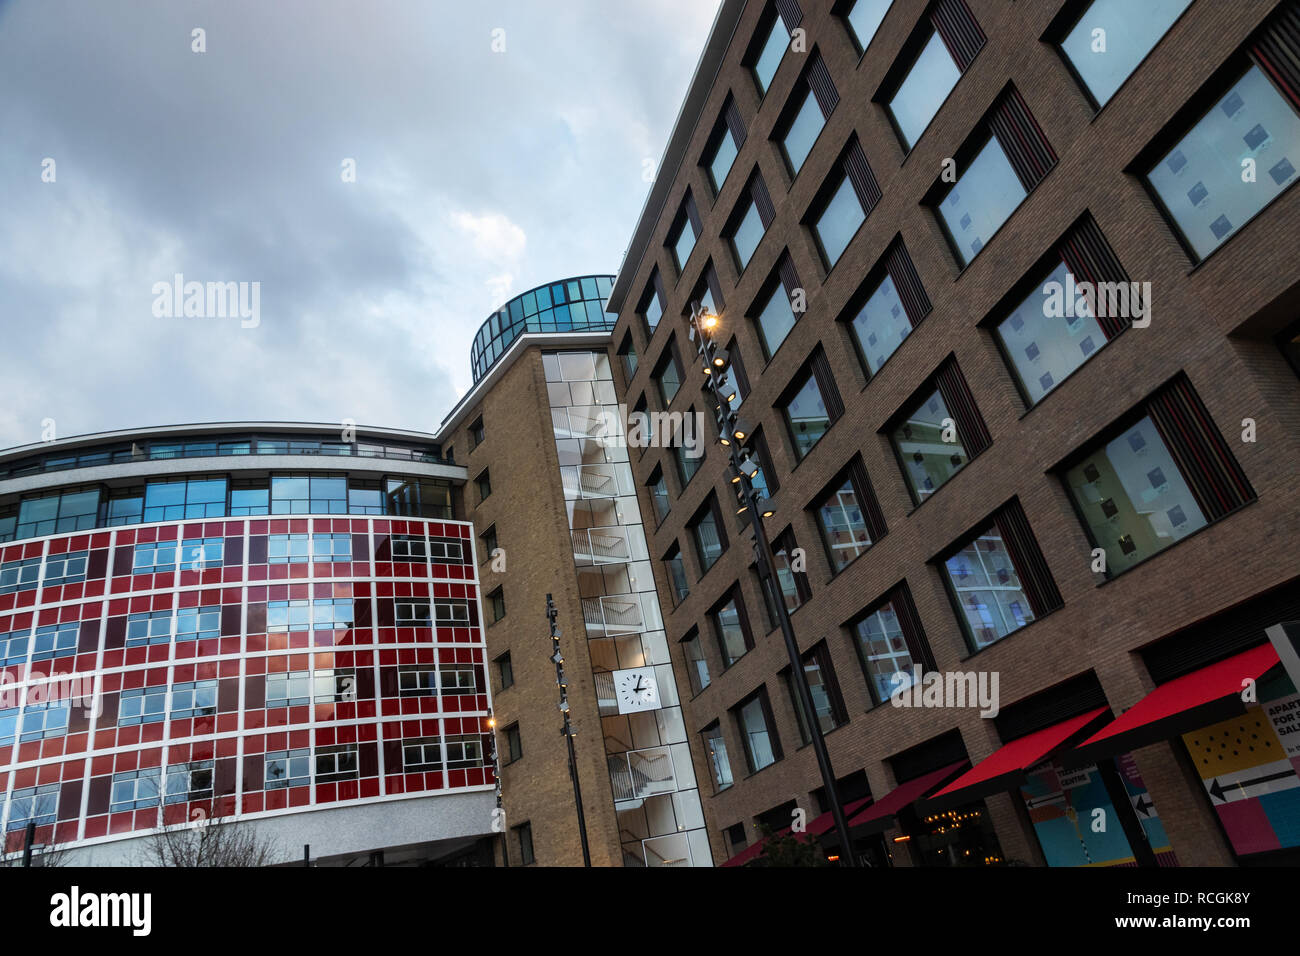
x=266, y=622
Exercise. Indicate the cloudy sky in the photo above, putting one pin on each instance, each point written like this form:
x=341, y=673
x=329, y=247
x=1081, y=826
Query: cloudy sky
x=474, y=166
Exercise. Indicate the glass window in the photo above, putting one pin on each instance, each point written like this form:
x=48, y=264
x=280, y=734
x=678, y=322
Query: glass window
x=880, y=326
x=864, y=19
x=291, y=689
x=506, y=671
x=1044, y=349
x=194, y=699
x=720, y=157
x=67, y=568
x=775, y=320
x=715, y=745
x=697, y=667
x=56, y=640
x=825, y=697
x=1133, y=497
x=983, y=198
x=28, y=804
x=793, y=583
x=770, y=55
x=13, y=650
x=708, y=542
x=45, y=718
x=193, y=498
x=136, y=789
x=987, y=587
x=669, y=377
x=732, y=639
x=1128, y=32
x=659, y=495
x=496, y=605
x=839, y=221
x=189, y=781
x=761, y=747
x=148, y=627
x=928, y=460
x=676, y=569
x=883, y=649
x=746, y=236
x=288, y=549
x=806, y=416
x=484, y=484
x=1200, y=181
x=628, y=352
x=843, y=527
x=923, y=90
x=287, y=768
x=687, y=464
x=24, y=575
x=200, y=553
x=804, y=126
x=158, y=556
x=195, y=623
x=142, y=705
x=652, y=311
x=524, y=834
x=69, y=511
x=682, y=241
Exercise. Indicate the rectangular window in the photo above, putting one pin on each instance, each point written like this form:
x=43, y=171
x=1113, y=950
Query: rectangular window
x=484, y=484
x=824, y=690
x=710, y=537
x=931, y=78
x=287, y=768
x=200, y=553
x=767, y=50
x=843, y=203
x=659, y=495
x=152, y=558
x=135, y=789
x=1129, y=32
x=697, y=666
x=686, y=229
x=848, y=516
x=651, y=308
x=940, y=434
x=189, y=781
x=668, y=374
x=336, y=763
x=891, y=644
x=464, y=750
x=288, y=689
x=67, y=568
x=148, y=627
x=405, y=547
x=776, y=317
x=56, y=640
x=797, y=132
x=790, y=570
x=44, y=718
x=524, y=838
x=307, y=494
x=490, y=545
x=476, y=433
x=76, y=510
x=749, y=221
x=676, y=571
x=505, y=671
x=627, y=351
x=13, y=650
x=198, y=623
x=288, y=616
x=724, y=145
x=194, y=699
x=185, y=498
x=863, y=19
x=409, y=613
x=496, y=605
x=893, y=302
x=1157, y=480
x=715, y=746
x=421, y=754
x=731, y=628
x=332, y=614
x=1201, y=182
x=810, y=405
x=24, y=575
x=142, y=705
x=32, y=804
x=998, y=579
x=514, y=744
x=288, y=549
x=757, y=731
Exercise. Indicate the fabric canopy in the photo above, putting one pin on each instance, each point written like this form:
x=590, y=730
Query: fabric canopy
x=1006, y=766
x=1202, y=697
x=816, y=828
x=880, y=815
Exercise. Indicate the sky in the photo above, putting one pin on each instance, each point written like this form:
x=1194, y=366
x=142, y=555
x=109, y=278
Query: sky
x=496, y=146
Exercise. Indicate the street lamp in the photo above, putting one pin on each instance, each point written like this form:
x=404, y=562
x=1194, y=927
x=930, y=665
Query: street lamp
x=732, y=434
x=496, y=776
x=558, y=658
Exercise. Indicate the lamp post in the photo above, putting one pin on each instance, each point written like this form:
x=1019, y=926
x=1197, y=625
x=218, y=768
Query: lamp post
x=558, y=658
x=496, y=777
x=733, y=435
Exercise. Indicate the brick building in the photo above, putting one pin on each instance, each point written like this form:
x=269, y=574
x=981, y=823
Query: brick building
x=888, y=205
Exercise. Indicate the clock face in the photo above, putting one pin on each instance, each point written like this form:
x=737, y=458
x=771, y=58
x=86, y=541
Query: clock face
x=636, y=690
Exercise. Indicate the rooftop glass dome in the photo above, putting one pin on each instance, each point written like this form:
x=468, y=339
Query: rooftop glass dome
x=574, y=305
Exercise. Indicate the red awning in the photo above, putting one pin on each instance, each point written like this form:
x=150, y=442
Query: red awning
x=1202, y=697
x=880, y=815
x=1006, y=766
x=816, y=828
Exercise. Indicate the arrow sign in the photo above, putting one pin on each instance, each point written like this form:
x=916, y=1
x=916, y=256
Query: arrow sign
x=1142, y=805
x=1217, y=791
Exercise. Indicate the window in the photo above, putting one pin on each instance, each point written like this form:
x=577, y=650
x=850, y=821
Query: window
x=148, y=627
x=253, y=497
x=659, y=494
x=150, y=558
x=892, y=303
x=410, y=613
x=337, y=763
x=13, y=650
x=136, y=789
x=464, y=751
x=288, y=616
x=891, y=645
x=929, y=81
x=65, y=568
x=676, y=571
x=194, y=699
x=824, y=689
x=405, y=547
x=476, y=433
x=514, y=746
x=939, y=434
x=710, y=537
x=55, y=640
x=684, y=232
x=420, y=754
x=44, y=718
x=198, y=623
x=776, y=317
x=849, y=517
x=142, y=705
x=1201, y=181
x=771, y=40
x=994, y=598
x=185, y=498
x=308, y=494
x=1156, y=480
x=446, y=613
x=746, y=233
x=496, y=605
x=288, y=689
x=651, y=307
x=731, y=628
x=458, y=680
x=627, y=351
x=724, y=144
x=332, y=614
x=843, y=204
x=668, y=374
x=790, y=573
x=199, y=553
x=484, y=484
x=417, y=681
x=863, y=19
x=810, y=405
x=1130, y=31
x=189, y=781
x=697, y=667
x=800, y=129
x=505, y=670
x=24, y=575
x=32, y=804
x=688, y=459
x=524, y=837
x=76, y=510
x=715, y=746
x=489, y=539
x=288, y=549
x=757, y=731
x=287, y=768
